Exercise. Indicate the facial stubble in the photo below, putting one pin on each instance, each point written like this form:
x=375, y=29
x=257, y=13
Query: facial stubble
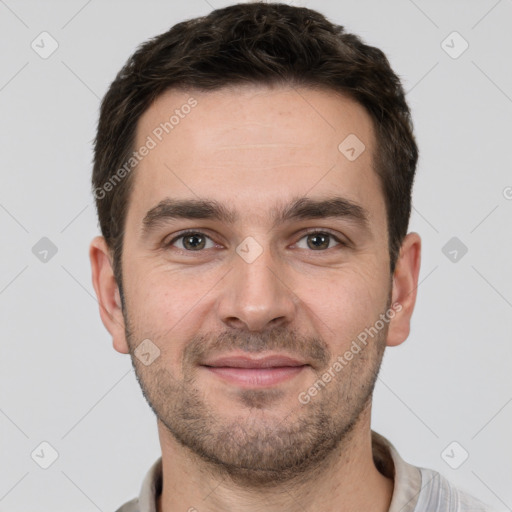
x=257, y=449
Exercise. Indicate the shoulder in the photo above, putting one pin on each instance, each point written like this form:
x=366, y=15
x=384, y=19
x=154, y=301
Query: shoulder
x=130, y=506
x=438, y=494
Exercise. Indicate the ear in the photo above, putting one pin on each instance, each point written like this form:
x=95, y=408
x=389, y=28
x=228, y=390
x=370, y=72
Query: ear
x=405, y=284
x=107, y=291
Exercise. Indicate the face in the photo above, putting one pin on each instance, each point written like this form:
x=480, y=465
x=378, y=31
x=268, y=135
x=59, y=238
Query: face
x=251, y=233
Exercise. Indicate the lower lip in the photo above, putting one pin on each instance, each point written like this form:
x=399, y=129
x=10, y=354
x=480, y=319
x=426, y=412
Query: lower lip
x=256, y=377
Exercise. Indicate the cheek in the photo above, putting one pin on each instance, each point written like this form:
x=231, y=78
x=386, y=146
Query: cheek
x=166, y=306
x=344, y=303
x=165, y=295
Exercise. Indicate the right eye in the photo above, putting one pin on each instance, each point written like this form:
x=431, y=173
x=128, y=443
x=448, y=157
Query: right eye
x=191, y=241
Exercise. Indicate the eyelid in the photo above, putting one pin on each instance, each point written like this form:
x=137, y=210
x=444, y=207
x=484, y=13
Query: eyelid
x=312, y=231
x=182, y=234
x=308, y=231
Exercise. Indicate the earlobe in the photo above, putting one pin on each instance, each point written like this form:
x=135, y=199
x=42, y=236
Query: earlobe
x=107, y=292
x=405, y=283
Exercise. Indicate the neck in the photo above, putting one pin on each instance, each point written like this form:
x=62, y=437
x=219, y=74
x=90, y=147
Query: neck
x=348, y=480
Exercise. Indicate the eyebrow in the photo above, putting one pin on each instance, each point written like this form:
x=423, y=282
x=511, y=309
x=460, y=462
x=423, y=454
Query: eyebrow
x=301, y=208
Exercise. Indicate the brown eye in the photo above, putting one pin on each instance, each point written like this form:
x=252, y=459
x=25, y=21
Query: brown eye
x=191, y=241
x=319, y=240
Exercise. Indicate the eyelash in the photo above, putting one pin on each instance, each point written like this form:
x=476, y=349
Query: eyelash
x=312, y=232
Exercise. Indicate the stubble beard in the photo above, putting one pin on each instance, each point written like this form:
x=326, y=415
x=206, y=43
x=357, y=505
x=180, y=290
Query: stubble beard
x=258, y=449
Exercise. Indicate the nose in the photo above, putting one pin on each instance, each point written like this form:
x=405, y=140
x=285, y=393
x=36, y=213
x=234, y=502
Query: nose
x=255, y=295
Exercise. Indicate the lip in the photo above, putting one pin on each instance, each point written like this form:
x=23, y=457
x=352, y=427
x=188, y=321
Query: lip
x=251, y=372
x=270, y=361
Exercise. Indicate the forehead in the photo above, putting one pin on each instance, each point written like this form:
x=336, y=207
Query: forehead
x=251, y=147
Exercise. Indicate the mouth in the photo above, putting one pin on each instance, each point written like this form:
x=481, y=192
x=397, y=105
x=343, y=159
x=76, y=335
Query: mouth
x=252, y=372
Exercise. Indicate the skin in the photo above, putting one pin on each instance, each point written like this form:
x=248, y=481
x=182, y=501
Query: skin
x=230, y=448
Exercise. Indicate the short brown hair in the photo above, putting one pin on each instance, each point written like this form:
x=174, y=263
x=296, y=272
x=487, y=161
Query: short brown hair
x=255, y=43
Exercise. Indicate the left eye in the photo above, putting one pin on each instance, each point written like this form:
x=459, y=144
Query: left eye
x=318, y=240
x=197, y=241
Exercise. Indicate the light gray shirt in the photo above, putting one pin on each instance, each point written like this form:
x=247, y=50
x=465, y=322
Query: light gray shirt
x=415, y=489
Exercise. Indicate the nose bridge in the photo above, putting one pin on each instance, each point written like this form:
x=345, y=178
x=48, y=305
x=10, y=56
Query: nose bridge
x=255, y=294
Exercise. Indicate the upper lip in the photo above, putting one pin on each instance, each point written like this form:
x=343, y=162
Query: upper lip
x=269, y=361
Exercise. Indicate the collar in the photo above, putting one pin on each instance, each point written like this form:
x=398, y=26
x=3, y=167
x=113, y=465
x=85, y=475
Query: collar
x=407, y=478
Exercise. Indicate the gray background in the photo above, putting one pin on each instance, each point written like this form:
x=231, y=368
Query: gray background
x=60, y=379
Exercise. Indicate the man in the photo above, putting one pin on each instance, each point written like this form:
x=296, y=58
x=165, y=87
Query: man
x=253, y=173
